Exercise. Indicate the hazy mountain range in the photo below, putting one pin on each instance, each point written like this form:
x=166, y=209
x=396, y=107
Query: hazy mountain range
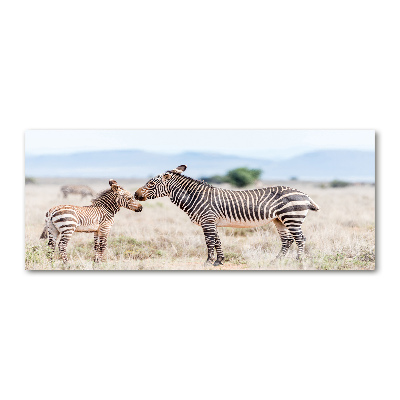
x=352, y=165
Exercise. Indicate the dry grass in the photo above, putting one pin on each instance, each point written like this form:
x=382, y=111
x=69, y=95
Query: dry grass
x=340, y=236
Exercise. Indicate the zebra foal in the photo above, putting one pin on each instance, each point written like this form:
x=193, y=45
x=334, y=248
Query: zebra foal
x=98, y=218
x=211, y=207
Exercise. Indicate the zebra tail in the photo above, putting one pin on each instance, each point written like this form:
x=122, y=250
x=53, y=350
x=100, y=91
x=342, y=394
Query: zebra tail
x=313, y=206
x=44, y=233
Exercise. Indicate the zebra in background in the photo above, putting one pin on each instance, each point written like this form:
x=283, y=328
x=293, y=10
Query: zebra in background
x=83, y=190
x=98, y=218
x=211, y=207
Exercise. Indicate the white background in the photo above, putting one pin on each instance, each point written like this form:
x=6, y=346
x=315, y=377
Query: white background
x=210, y=64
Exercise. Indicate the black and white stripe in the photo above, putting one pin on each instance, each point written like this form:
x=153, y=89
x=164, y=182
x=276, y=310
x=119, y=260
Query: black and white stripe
x=211, y=207
x=62, y=221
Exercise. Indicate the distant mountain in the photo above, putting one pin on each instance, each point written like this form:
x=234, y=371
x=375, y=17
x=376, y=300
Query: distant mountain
x=349, y=165
x=319, y=165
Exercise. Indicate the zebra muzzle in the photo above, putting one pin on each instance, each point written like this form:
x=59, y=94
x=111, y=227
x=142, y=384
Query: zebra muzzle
x=138, y=196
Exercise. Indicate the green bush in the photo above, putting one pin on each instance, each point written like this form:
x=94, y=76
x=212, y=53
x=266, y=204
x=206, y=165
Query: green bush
x=238, y=177
x=243, y=176
x=338, y=184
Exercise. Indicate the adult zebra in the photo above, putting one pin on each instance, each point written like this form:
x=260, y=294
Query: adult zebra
x=97, y=218
x=83, y=190
x=210, y=207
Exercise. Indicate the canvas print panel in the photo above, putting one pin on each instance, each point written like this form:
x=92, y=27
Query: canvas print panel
x=200, y=200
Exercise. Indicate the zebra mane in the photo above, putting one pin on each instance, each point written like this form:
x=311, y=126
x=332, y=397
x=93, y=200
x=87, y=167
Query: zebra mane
x=193, y=180
x=100, y=195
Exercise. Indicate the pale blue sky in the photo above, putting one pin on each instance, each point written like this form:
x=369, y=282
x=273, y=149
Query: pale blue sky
x=270, y=144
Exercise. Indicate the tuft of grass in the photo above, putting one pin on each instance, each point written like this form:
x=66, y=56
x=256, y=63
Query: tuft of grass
x=130, y=248
x=366, y=255
x=235, y=232
x=234, y=258
x=123, y=240
x=36, y=254
x=33, y=254
x=347, y=259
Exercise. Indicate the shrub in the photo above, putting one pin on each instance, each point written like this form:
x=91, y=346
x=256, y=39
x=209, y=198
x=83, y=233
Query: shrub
x=238, y=177
x=337, y=183
x=29, y=180
x=243, y=176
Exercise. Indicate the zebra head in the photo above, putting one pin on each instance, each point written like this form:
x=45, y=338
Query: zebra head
x=159, y=186
x=124, y=198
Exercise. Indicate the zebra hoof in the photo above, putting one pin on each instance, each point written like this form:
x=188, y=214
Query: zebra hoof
x=279, y=257
x=208, y=263
x=218, y=262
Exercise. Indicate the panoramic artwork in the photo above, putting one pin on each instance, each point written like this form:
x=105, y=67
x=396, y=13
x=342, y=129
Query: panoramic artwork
x=200, y=200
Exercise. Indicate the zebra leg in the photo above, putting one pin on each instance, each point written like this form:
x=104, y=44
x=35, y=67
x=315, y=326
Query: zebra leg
x=286, y=237
x=218, y=248
x=300, y=240
x=210, y=235
x=53, y=236
x=52, y=245
x=102, y=248
x=96, y=247
x=102, y=238
x=63, y=243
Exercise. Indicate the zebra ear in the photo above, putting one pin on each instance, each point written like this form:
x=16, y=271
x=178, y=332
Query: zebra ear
x=114, y=186
x=167, y=175
x=112, y=182
x=180, y=169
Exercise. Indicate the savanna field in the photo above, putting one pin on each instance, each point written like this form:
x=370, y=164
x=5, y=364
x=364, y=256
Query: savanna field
x=341, y=236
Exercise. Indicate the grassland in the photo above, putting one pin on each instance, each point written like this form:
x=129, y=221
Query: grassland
x=341, y=236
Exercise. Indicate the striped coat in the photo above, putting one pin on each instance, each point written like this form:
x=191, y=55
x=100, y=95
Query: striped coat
x=83, y=190
x=211, y=207
x=62, y=221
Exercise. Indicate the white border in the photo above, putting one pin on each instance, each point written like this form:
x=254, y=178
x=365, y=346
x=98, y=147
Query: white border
x=214, y=65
